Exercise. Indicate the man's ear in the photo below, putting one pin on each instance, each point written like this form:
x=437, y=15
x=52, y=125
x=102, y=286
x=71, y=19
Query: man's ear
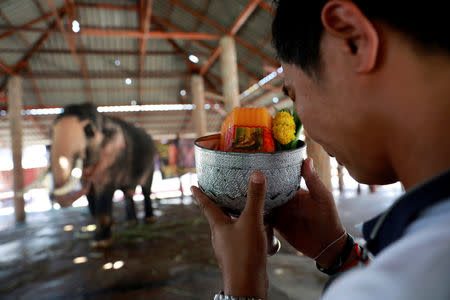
x=344, y=20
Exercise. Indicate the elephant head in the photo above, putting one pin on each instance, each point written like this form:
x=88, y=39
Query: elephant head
x=77, y=137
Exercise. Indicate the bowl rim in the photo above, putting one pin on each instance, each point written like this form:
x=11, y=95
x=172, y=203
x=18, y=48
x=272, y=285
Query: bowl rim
x=299, y=147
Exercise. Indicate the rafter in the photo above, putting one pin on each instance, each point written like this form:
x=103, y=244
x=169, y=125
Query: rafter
x=106, y=75
x=223, y=30
x=98, y=52
x=243, y=17
x=24, y=61
x=107, y=6
x=28, y=24
x=166, y=23
x=191, y=66
x=267, y=7
x=125, y=32
x=72, y=47
x=35, y=86
x=6, y=68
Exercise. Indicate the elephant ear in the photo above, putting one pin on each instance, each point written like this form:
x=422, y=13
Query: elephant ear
x=88, y=130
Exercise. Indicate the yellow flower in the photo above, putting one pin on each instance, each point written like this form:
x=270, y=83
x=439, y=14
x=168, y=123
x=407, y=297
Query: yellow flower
x=283, y=128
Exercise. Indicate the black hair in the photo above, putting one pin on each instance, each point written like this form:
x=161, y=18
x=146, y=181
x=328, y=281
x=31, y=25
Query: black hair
x=297, y=27
x=84, y=111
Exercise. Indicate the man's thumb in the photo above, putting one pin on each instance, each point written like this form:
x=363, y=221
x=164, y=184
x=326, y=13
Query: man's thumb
x=256, y=195
x=315, y=186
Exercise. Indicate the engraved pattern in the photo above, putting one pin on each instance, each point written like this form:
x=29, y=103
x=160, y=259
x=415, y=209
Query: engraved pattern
x=224, y=176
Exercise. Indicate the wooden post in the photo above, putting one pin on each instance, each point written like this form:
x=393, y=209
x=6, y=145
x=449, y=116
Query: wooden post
x=15, y=121
x=321, y=161
x=198, y=95
x=230, y=79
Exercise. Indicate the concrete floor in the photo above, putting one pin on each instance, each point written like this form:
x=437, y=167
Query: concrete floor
x=49, y=257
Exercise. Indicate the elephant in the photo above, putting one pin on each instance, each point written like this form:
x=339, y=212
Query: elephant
x=104, y=154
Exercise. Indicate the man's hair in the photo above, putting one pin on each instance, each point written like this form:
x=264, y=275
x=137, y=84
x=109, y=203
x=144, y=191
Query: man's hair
x=297, y=27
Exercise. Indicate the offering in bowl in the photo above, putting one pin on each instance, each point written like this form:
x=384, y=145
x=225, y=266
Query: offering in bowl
x=224, y=176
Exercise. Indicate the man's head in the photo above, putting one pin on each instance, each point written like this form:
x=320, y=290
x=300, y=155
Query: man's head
x=351, y=67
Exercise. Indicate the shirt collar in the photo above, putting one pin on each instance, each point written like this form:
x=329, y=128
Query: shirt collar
x=389, y=226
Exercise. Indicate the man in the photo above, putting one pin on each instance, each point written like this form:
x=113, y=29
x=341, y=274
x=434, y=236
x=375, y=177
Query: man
x=370, y=81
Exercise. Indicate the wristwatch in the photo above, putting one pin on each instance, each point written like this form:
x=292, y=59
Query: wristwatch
x=222, y=296
x=337, y=265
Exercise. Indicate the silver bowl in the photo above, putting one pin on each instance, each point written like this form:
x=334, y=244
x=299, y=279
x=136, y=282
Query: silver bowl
x=224, y=176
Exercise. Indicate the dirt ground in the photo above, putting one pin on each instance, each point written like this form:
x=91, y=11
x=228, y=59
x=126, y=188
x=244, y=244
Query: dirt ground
x=49, y=257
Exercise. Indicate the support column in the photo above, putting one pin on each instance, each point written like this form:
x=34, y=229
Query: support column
x=15, y=122
x=230, y=78
x=321, y=161
x=198, y=95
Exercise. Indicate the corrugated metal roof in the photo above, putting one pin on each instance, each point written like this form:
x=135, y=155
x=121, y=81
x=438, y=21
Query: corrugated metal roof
x=56, y=60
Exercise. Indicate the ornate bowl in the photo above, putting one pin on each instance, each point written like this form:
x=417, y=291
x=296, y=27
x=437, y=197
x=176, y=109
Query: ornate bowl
x=224, y=176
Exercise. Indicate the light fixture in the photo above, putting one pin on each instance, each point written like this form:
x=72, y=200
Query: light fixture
x=183, y=93
x=275, y=99
x=107, y=266
x=128, y=81
x=216, y=106
x=75, y=26
x=260, y=83
x=117, y=62
x=3, y=113
x=80, y=260
x=193, y=58
x=207, y=106
x=146, y=107
x=118, y=264
x=68, y=228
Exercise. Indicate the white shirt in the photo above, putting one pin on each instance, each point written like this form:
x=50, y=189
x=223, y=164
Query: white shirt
x=417, y=266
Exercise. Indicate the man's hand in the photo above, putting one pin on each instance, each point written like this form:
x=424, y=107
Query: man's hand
x=310, y=221
x=240, y=244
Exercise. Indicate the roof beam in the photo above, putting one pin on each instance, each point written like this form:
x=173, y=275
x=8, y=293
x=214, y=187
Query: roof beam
x=156, y=19
x=145, y=15
x=219, y=28
x=107, y=75
x=126, y=32
x=98, y=52
x=267, y=7
x=28, y=24
x=107, y=6
x=240, y=21
x=6, y=68
x=72, y=47
x=35, y=87
x=24, y=61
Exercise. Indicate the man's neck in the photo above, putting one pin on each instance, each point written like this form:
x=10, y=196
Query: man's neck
x=420, y=144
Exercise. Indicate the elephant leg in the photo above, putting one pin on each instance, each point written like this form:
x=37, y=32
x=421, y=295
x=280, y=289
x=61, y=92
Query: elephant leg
x=130, y=208
x=91, y=202
x=146, y=191
x=103, y=215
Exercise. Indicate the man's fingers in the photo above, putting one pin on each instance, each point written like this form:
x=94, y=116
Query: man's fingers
x=212, y=212
x=256, y=195
x=315, y=186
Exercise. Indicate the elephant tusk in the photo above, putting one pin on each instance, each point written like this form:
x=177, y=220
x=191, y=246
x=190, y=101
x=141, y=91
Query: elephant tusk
x=73, y=181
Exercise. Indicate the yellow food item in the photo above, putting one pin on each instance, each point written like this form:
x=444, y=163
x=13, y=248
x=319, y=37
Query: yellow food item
x=284, y=128
x=247, y=130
